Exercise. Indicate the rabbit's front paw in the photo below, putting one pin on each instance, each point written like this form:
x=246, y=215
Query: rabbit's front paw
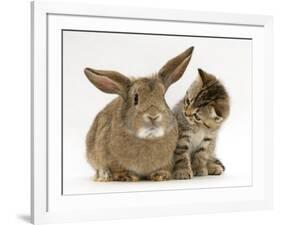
x=103, y=175
x=183, y=174
x=125, y=176
x=160, y=175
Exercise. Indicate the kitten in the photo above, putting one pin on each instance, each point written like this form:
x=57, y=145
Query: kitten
x=200, y=114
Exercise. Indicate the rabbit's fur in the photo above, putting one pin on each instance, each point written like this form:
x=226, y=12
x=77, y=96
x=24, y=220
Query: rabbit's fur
x=135, y=135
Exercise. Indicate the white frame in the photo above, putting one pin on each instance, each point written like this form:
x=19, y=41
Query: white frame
x=40, y=100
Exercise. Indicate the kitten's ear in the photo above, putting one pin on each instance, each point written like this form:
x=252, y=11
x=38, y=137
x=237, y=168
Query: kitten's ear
x=186, y=99
x=218, y=119
x=215, y=116
x=205, y=77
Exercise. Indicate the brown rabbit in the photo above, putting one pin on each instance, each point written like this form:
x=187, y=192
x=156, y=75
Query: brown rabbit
x=135, y=135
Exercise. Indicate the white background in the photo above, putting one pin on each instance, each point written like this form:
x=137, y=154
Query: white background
x=15, y=92
x=141, y=55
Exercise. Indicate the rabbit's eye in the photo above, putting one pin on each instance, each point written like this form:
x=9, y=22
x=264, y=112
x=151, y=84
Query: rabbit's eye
x=136, y=99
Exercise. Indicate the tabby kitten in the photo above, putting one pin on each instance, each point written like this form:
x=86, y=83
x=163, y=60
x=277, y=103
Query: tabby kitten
x=200, y=114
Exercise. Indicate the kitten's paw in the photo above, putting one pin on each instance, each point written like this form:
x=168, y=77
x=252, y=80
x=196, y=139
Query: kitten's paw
x=215, y=169
x=183, y=174
x=160, y=175
x=103, y=175
x=200, y=172
x=125, y=177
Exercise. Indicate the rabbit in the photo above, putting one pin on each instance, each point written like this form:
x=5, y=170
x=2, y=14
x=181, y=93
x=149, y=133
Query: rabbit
x=134, y=137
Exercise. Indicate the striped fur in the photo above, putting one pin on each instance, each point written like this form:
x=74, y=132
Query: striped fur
x=200, y=115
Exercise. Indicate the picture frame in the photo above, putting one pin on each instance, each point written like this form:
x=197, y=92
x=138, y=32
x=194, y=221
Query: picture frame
x=50, y=204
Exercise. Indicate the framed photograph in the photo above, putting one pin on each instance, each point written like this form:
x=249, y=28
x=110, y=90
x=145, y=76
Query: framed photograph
x=142, y=112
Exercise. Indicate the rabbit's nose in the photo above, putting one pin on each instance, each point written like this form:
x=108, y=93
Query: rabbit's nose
x=153, y=118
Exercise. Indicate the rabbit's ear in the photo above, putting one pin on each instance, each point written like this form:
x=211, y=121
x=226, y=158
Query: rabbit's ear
x=175, y=67
x=109, y=81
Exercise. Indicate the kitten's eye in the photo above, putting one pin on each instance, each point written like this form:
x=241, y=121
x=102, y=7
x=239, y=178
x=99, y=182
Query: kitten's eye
x=136, y=99
x=196, y=117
